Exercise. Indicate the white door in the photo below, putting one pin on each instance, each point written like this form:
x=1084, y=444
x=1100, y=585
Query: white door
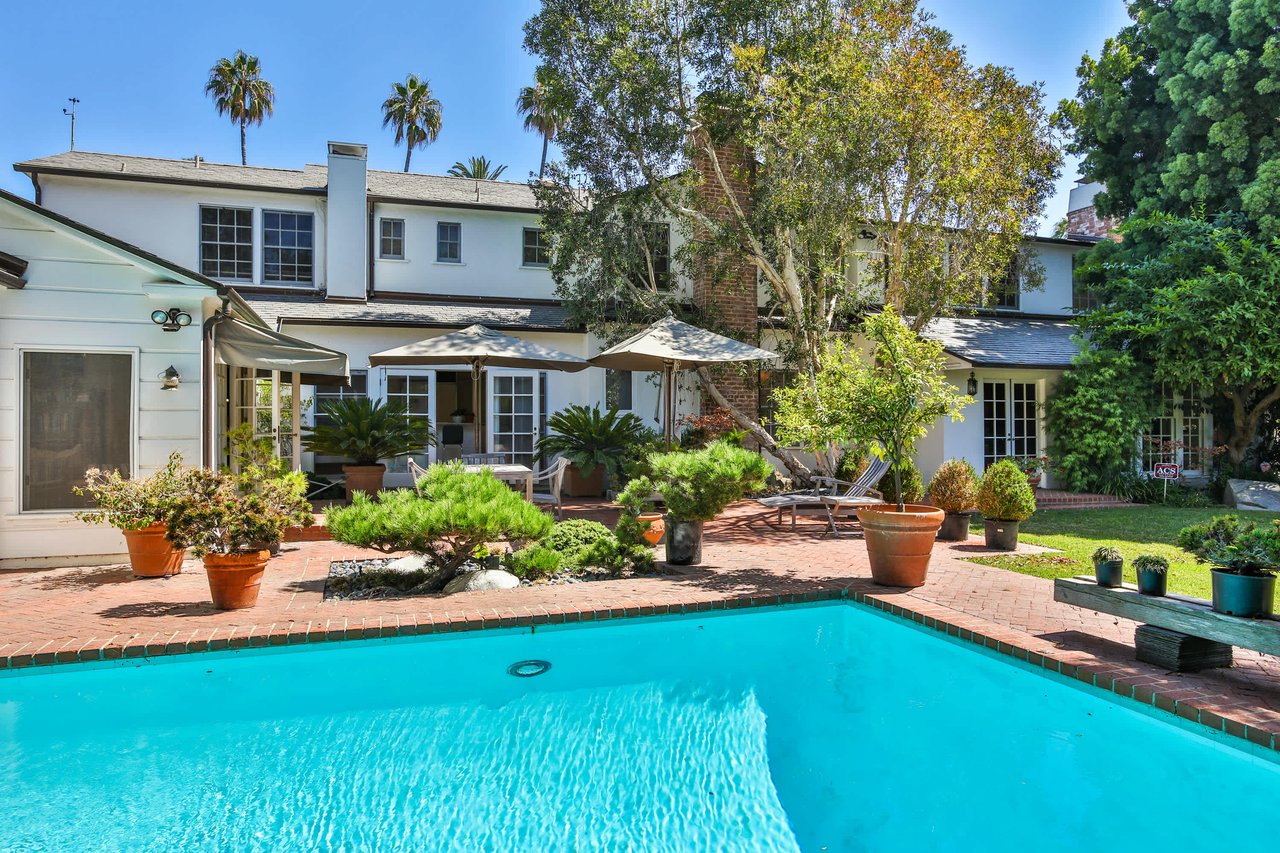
x=414, y=389
x=514, y=414
x=1010, y=421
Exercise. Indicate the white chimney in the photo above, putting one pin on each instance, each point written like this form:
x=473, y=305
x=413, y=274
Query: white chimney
x=346, y=240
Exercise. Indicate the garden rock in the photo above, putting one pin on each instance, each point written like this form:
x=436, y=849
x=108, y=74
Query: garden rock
x=482, y=580
x=1252, y=494
x=411, y=563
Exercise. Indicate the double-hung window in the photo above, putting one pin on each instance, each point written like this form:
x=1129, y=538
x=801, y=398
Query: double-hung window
x=536, y=251
x=226, y=243
x=391, y=244
x=287, y=252
x=1004, y=295
x=449, y=242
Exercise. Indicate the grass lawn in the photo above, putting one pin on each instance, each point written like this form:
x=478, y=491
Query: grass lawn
x=1134, y=530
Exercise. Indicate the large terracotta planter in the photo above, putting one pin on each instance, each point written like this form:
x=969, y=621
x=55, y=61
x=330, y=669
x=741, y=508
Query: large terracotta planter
x=364, y=478
x=576, y=485
x=150, y=554
x=234, y=579
x=653, y=526
x=900, y=543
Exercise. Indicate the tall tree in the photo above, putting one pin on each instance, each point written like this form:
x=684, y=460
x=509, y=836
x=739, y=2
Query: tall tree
x=543, y=113
x=478, y=168
x=882, y=166
x=1179, y=111
x=414, y=113
x=239, y=92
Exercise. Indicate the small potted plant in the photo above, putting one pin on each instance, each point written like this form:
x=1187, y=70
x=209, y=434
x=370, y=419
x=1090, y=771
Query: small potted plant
x=596, y=442
x=458, y=416
x=229, y=530
x=140, y=508
x=366, y=431
x=1108, y=566
x=1153, y=574
x=1245, y=558
x=259, y=471
x=954, y=490
x=696, y=486
x=1005, y=500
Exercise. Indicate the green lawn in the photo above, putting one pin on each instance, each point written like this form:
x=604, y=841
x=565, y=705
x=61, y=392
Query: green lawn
x=1138, y=530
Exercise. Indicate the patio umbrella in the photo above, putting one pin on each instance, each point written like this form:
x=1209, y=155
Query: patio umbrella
x=670, y=345
x=480, y=347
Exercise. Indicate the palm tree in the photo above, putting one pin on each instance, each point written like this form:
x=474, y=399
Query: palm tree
x=238, y=91
x=478, y=168
x=541, y=114
x=414, y=112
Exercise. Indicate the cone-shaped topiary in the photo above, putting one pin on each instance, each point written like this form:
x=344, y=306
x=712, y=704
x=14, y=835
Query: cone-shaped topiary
x=1005, y=494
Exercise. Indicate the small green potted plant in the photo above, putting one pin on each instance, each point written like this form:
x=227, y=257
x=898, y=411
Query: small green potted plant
x=954, y=490
x=1245, y=558
x=596, y=442
x=696, y=486
x=140, y=508
x=1108, y=566
x=366, y=431
x=1153, y=574
x=1005, y=499
x=257, y=470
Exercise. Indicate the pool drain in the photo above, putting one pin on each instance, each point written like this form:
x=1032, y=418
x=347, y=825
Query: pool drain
x=528, y=668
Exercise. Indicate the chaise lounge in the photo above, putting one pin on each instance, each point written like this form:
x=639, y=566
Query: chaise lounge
x=830, y=496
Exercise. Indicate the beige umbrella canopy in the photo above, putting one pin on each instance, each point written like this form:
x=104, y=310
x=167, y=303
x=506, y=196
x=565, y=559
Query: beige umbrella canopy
x=670, y=345
x=480, y=347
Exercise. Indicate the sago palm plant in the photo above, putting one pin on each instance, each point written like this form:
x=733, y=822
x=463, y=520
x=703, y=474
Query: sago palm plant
x=588, y=437
x=366, y=431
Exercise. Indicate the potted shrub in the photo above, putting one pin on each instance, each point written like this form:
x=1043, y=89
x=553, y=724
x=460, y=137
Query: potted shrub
x=458, y=416
x=1005, y=499
x=639, y=521
x=259, y=471
x=696, y=486
x=1153, y=574
x=595, y=442
x=954, y=490
x=140, y=508
x=886, y=399
x=1245, y=559
x=229, y=530
x=1108, y=566
x=366, y=431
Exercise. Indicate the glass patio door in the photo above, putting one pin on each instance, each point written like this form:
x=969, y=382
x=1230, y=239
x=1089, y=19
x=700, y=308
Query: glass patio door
x=514, y=414
x=414, y=389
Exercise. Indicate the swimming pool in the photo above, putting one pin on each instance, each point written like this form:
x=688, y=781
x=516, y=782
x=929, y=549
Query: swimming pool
x=808, y=728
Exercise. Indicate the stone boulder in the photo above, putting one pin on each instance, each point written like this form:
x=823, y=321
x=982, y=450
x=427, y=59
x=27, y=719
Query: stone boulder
x=481, y=580
x=412, y=563
x=1252, y=494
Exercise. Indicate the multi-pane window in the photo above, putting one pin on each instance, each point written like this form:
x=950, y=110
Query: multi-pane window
x=287, y=252
x=391, y=240
x=1010, y=421
x=1083, y=299
x=514, y=427
x=617, y=389
x=449, y=242
x=226, y=243
x=1177, y=433
x=537, y=253
x=411, y=392
x=653, y=264
x=77, y=413
x=1005, y=293
x=770, y=380
x=323, y=394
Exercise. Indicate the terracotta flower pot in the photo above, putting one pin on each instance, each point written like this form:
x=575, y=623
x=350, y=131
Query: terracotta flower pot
x=899, y=543
x=234, y=579
x=578, y=485
x=654, y=529
x=150, y=554
x=364, y=478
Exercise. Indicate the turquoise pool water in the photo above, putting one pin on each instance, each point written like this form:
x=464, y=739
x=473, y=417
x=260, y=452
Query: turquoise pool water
x=815, y=728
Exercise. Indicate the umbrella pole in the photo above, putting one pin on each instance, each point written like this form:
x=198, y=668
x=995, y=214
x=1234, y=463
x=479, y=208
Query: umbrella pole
x=668, y=403
x=475, y=405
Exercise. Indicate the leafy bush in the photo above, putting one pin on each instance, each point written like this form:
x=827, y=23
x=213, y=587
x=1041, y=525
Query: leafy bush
x=1005, y=494
x=1107, y=554
x=266, y=475
x=912, y=482
x=133, y=503
x=851, y=465
x=617, y=556
x=1150, y=563
x=699, y=484
x=366, y=431
x=587, y=437
x=1240, y=547
x=456, y=512
x=1220, y=530
x=954, y=487
x=572, y=537
x=534, y=562
x=215, y=517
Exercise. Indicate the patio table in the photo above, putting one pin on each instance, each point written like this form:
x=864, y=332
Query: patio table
x=508, y=474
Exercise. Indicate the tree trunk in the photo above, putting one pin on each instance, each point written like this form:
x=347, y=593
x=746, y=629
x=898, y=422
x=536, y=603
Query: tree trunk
x=408, y=152
x=542, y=167
x=1244, y=421
x=244, y=151
x=797, y=468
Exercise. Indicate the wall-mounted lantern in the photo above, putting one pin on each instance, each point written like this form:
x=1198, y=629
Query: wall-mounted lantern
x=170, y=379
x=972, y=387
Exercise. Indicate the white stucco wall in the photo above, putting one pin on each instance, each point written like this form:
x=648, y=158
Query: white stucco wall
x=1055, y=296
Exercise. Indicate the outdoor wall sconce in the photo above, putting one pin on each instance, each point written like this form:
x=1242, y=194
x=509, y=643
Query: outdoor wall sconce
x=170, y=379
x=171, y=320
x=972, y=387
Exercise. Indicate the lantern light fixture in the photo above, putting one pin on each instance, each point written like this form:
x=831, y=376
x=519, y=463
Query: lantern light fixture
x=972, y=387
x=171, y=320
x=170, y=379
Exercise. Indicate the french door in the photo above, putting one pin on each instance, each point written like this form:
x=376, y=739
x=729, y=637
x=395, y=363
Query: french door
x=270, y=405
x=515, y=414
x=1010, y=421
x=414, y=390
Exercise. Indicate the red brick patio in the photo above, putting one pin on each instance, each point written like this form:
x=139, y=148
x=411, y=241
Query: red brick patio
x=63, y=615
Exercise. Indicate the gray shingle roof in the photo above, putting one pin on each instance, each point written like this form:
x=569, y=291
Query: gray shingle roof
x=1006, y=341
x=388, y=186
x=309, y=308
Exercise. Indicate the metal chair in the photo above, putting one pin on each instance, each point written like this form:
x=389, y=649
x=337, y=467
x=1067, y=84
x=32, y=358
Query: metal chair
x=553, y=476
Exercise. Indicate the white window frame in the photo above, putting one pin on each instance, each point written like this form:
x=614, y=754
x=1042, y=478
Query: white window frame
x=382, y=224
x=200, y=241
x=1174, y=420
x=491, y=410
x=1010, y=419
x=524, y=236
x=395, y=477
x=20, y=463
x=311, y=282
x=441, y=260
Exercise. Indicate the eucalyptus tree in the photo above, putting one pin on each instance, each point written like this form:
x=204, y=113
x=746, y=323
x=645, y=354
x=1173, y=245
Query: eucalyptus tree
x=415, y=114
x=239, y=92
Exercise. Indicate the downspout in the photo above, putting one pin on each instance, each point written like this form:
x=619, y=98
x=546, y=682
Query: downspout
x=369, y=253
x=208, y=429
x=35, y=182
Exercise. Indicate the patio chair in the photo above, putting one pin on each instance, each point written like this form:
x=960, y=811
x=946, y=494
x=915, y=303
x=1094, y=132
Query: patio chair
x=830, y=496
x=553, y=476
x=486, y=458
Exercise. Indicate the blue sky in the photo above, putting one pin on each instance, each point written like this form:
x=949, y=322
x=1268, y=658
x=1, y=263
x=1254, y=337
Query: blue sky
x=138, y=68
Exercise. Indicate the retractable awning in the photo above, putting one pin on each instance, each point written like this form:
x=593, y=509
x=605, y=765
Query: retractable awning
x=241, y=345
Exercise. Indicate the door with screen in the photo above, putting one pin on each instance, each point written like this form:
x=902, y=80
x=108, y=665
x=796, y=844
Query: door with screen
x=514, y=414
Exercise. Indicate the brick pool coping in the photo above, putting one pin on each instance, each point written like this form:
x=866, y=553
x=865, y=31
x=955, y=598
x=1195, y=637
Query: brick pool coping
x=1120, y=680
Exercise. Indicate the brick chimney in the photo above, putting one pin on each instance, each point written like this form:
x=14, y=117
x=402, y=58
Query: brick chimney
x=725, y=286
x=1083, y=220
